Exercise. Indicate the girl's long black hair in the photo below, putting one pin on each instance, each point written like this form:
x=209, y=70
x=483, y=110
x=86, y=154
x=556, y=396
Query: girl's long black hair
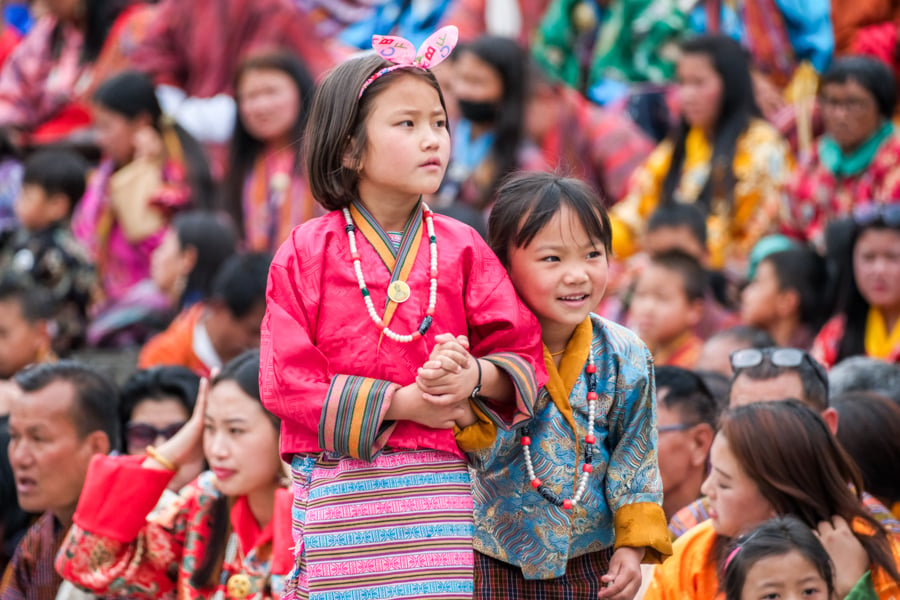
x=737, y=109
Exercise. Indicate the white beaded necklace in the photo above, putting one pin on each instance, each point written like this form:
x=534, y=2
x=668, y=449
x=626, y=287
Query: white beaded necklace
x=589, y=440
x=432, y=292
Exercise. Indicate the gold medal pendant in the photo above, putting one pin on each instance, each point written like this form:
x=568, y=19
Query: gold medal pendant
x=398, y=292
x=238, y=586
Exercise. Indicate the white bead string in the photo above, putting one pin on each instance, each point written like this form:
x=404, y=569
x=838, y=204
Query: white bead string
x=432, y=291
x=589, y=441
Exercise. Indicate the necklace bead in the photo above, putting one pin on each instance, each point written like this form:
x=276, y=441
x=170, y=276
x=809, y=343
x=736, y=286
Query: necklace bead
x=589, y=440
x=350, y=228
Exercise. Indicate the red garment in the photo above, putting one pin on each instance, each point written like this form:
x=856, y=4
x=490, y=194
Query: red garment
x=9, y=39
x=115, y=548
x=197, y=45
x=319, y=347
x=599, y=146
x=850, y=16
x=827, y=343
x=175, y=345
x=815, y=196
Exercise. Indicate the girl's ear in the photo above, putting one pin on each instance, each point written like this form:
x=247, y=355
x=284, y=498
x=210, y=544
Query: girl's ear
x=352, y=159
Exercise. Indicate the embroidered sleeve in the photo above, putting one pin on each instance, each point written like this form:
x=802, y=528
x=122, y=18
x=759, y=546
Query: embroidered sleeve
x=633, y=484
x=504, y=332
x=352, y=420
x=112, y=549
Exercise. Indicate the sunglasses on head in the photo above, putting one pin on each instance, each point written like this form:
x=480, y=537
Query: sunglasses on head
x=788, y=358
x=870, y=214
x=140, y=435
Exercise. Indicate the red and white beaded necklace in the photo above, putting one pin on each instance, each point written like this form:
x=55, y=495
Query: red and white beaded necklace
x=432, y=292
x=589, y=441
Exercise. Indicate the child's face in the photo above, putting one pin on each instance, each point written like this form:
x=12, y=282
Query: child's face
x=876, y=267
x=20, y=341
x=760, y=299
x=561, y=275
x=408, y=142
x=736, y=504
x=31, y=207
x=788, y=576
x=660, y=309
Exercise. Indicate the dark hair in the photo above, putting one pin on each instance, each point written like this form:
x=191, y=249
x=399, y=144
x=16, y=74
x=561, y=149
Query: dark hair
x=244, y=371
x=99, y=17
x=851, y=303
x=776, y=537
x=865, y=374
x=526, y=202
x=718, y=385
x=753, y=337
x=157, y=383
x=869, y=430
x=245, y=149
x=679, y=214
x=871, y=74
x=688, y=268
x=510, y=62
x=132, y=94
x=804, y=271
x=96, y=402
x=800, y=469
x=337, y=124
x=214, y=237
x=36, y=302
x=813, y=378
x=687, y=394
x=57, y=172
x=736, y=111
x=241, y=282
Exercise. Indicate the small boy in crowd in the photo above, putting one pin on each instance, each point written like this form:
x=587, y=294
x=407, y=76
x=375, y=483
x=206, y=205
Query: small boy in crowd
x=787, y=297
x=667, y=306
x=43, y=250
x=26, y=311
x=209, y=334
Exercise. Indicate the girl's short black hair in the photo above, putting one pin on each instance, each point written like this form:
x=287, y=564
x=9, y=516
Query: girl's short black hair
x=776, y=537
x=870, y=73
x=336, y=131
x=803, y=270
x=526, y=202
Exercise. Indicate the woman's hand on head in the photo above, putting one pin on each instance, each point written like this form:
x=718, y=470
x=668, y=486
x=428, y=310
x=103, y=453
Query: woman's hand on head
x=847, y=554
x=185, y=448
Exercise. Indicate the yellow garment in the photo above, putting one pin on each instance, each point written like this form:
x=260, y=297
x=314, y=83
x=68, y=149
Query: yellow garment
x=880, y=343
x=762, y=163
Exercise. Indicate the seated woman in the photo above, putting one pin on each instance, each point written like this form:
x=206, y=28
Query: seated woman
x=722, y=157
x=857, y=161
x=150, y=169
x=229, y=529
x=266, y=191
x=182, y=269
x=868, y=304
x=777, y=459
x=154, y=404
x=48, y=78
x=489, y=138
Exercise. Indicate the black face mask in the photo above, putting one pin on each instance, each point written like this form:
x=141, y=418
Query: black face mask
x=478, y=112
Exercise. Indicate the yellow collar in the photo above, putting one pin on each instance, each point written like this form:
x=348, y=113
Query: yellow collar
x=879, y=342
x=561, y=381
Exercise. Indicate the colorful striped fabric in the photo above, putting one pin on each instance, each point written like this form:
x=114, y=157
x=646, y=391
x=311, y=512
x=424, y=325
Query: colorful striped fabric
x=353, y=414
x=400, y=526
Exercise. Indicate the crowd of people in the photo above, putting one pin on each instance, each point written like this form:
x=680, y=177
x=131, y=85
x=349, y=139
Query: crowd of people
x=449, y=299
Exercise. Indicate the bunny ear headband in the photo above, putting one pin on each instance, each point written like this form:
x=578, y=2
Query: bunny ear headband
x=402, y=53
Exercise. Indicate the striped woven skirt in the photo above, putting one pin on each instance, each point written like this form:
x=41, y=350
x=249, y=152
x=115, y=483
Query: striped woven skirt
x=398, y=527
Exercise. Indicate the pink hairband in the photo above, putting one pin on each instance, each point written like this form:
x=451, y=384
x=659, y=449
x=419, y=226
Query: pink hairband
x=402, y=53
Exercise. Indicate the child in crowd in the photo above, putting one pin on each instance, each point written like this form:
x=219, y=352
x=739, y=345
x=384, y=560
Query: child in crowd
x=43, y=249
x=668, y=305
x=781, y=558
x=546, y=525
x=788, y=297
x=225, y=532
x=26, y=312
x=357, y=301
x=210, y=333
